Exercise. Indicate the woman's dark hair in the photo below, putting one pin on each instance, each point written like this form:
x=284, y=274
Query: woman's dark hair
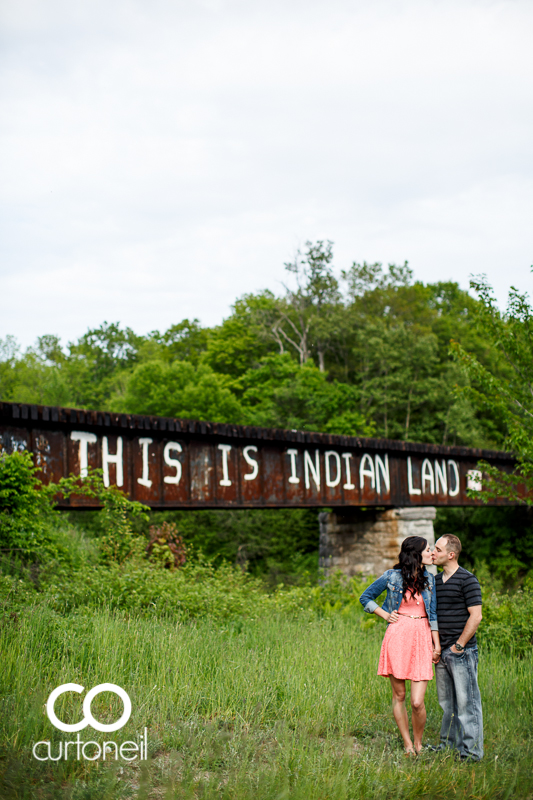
x=410, y=563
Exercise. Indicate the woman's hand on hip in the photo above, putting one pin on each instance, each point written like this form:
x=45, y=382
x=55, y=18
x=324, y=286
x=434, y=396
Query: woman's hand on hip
x=393, y=617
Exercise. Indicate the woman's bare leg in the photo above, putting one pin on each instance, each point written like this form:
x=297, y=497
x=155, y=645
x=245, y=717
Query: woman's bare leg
x=418, y=692
x=399, y=710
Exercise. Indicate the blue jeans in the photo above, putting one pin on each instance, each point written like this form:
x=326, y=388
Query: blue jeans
x=460, y=700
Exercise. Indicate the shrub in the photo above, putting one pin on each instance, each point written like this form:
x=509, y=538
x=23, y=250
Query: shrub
x=508, y=620
x=31, y=528
x=25, y=512
x=198, y=589
x=166, y=546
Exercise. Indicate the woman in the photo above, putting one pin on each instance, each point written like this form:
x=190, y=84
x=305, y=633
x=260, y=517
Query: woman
x=411, y=642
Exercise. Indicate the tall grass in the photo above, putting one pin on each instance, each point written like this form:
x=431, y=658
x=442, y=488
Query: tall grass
x=269, y=708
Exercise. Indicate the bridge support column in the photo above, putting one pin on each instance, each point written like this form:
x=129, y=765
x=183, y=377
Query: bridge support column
x=368, y=542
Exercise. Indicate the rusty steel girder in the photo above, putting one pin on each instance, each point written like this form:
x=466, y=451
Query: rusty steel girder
x=176, y=463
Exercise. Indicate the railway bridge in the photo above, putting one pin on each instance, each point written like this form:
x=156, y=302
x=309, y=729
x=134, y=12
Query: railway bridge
x=378, y=490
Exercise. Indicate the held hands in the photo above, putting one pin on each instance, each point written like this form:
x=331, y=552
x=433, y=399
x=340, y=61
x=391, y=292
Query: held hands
x=393, y=617
x=436, y=656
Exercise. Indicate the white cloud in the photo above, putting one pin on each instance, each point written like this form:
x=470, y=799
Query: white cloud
x=162, y=158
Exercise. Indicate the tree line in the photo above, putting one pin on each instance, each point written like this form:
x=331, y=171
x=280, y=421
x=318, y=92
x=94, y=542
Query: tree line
x=365, y=351
x=362, y=352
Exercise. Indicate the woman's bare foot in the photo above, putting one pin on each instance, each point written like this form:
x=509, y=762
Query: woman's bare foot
x=418, y=748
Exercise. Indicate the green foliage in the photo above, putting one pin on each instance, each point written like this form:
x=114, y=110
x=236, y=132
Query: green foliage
x=379, y=340
x=362, y=279
x=508, y=621
x=400, y=381
x=8, y=361
x=194, y=591
x=502, y=538
x=166, y=547
x=242, y=340
x=120, y=572
x=225, y=670
x=199, y=589
x=363, y=352
x=280, y=393
x=16, y=593
x=398, y=336
x=118, y=541
x=18, y=492
x=108, y=347
x=117, y=536
x=301, y=319
x=182, y=390
x=284, y=705
x=185, y=341
x=98, y=364
x=279, y=544
x=508, y=396
x=36, y=377
x=24, y=510
x=31, y=529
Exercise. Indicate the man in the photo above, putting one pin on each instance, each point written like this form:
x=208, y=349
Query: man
x=458, y=614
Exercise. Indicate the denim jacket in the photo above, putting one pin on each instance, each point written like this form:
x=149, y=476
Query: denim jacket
x=391, y=580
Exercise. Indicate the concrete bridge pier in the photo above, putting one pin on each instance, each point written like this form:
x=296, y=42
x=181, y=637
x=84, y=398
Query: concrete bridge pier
x=368, y=541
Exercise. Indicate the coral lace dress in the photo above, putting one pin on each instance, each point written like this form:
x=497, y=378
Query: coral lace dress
x=407, y=647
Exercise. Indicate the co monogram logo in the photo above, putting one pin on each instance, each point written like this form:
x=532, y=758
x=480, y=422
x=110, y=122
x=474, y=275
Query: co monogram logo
x=88, y=718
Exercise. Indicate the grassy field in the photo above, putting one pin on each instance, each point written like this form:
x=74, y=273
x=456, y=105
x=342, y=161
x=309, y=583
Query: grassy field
x=276, y=707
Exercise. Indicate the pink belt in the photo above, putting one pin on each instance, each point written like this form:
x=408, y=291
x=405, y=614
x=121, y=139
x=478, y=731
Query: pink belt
x=412, y=616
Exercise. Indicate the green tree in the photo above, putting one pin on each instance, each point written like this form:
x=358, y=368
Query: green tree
x=180, y=390
x=240, y=341
x=363, y=279
x=500, y=538
x=396, y=350
x=24, y=510
x=185, y=341
x=508, y=396
x=282, y=393
x=277, y=543
x=37, y=376
x=109, y=347
x=99, y=361
x=9, y=349
x=380, y=341
x=301, y=322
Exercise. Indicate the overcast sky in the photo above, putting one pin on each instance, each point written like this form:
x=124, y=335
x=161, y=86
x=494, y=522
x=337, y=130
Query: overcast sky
x=161, y=158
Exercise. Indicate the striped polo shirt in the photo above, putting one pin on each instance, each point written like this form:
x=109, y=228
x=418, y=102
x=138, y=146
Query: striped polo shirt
x=454, y=597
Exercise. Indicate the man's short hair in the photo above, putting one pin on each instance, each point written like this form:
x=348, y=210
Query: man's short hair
x=453, y=544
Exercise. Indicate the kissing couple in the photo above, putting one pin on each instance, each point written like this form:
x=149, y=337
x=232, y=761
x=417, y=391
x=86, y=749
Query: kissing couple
x=432, y=620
